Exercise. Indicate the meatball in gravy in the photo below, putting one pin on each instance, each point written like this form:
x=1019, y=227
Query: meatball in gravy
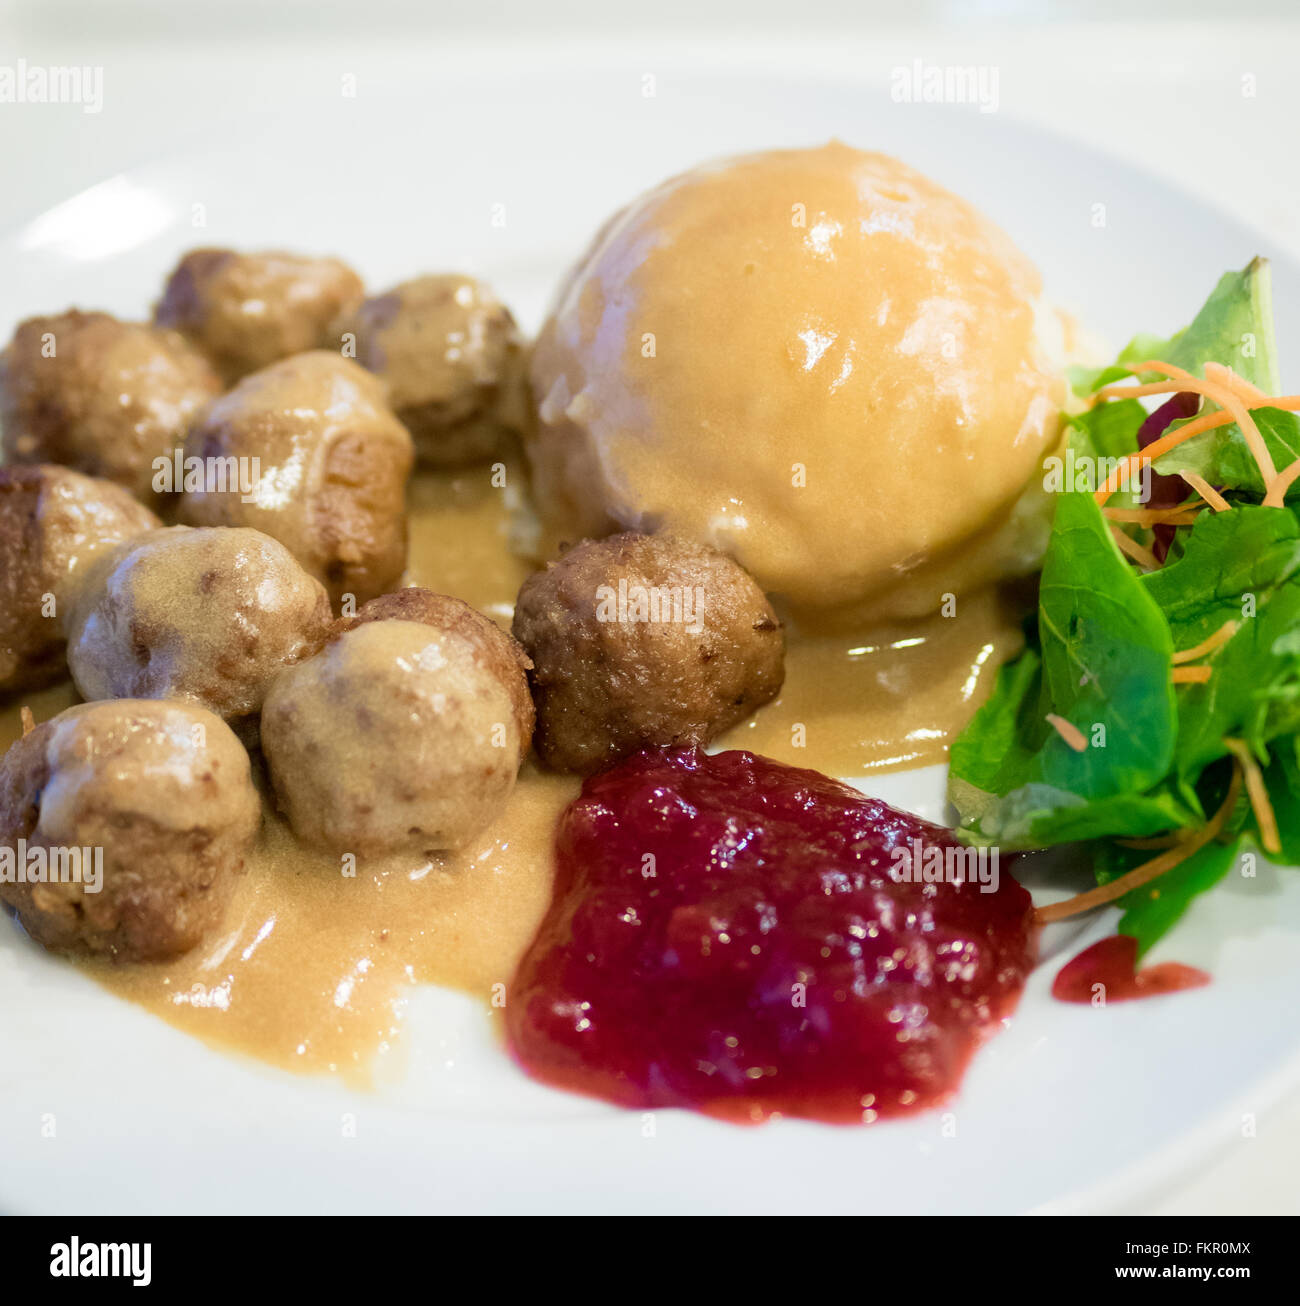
x=405, y=732
x=452, y=358
x=643, y=641
x=53, y=522
x=208, y=615
x=247, y=311
x=161, y=792
x=328, y=464
x=99, y=395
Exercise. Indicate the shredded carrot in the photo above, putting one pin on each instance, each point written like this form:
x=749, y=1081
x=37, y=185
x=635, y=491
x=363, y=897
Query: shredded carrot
x=1215, y=373
x=1122, y=390
x=1191, y=675
x=1215, y=641
x=1254, y=441
x=1199, y=424
x=1160, y=841
x=1134, y=463
x=1068, y=731
x=1227, y=398
x=1276, y=496
x=1235, y=382
x=1148, y=871
x=1206, y=491
x=1139, y=553
x=1257, y=791
x=1183, y=516
x=1214, y=390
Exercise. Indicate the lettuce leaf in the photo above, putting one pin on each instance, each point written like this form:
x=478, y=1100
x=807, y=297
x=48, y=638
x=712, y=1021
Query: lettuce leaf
x=1241, y=566
x=1155, y=908
x=1282, y=777
x=1103, y=664
x=1234, y=327
x=1100, y=652
x=1222, y=458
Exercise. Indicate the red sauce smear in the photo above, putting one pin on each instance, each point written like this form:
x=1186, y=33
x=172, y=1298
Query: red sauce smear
x=1112, y=963
x=737, y=936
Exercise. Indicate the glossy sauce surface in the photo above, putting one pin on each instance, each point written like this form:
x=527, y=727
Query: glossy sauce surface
x=312, y=967
x=743, y=938
x=817, y=360
x=890, y=696
x=312, y=964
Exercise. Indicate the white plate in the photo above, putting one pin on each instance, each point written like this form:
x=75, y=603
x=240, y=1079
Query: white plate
x=107, y=1109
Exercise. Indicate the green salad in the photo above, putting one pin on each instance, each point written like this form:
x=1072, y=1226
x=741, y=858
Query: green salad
x=1154, y=715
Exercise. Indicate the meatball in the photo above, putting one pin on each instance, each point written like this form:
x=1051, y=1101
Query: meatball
x=53, y=521
x=328, y=463
x=643, y=641
x=208, y=615
x=247, y=311
x=104, y=396
x=158, y=802
x=405, y=732
x=452, y=357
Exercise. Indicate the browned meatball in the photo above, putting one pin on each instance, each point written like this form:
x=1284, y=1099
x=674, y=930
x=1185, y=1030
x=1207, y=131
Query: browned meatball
x=498, y=652
x=208, y=615
x=328, y=462
x=247, y=311
x=53, y=521
x=452, y=358
x=106, y=397
x=643, y=641
x=405, y=732
x=163, y=791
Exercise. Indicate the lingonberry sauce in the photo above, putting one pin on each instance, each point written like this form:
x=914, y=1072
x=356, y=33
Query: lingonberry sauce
x=1112, y=964
x=738, y=936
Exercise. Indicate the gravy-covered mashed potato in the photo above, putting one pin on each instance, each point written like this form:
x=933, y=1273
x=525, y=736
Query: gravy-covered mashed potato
x=817, y=361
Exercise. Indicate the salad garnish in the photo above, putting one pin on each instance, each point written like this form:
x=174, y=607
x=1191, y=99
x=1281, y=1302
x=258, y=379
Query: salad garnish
x=1153, y=718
